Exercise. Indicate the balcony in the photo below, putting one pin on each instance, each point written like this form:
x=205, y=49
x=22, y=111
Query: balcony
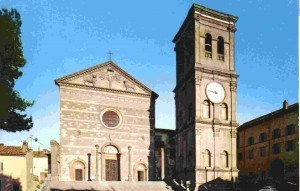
x=221, y=57
x=208, y=54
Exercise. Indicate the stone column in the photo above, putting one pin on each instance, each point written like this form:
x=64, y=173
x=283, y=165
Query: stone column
x=162, y=163
x=89, y=166
x=129, y=164
x=29, y=168
x=54, y=159
x=119, y=166
x=101, y=162
x=49, y=162
x=97, y=162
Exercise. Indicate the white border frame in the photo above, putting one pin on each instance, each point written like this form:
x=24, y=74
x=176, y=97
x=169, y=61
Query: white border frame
x=223, y=90
x=114, y=110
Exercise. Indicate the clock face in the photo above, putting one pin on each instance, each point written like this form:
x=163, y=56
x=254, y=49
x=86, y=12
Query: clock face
x=215, y=92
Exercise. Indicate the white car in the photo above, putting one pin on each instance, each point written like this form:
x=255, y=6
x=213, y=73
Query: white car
x=268, y=188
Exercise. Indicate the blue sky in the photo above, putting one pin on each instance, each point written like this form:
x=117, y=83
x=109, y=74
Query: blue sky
x=62, y=37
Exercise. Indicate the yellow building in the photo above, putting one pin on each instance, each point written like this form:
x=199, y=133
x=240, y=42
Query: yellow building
x=268, y=146
x=17, y=169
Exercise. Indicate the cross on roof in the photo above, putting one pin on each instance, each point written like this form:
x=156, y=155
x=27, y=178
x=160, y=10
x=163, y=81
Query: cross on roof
x=110, y=53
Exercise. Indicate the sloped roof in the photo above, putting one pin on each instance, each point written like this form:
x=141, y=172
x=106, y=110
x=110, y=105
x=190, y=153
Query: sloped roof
x=11, y=150
x=292, y=108
x=65, y=79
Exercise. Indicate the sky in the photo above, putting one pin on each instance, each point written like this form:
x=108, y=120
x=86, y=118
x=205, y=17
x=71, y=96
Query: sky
x=62, y=37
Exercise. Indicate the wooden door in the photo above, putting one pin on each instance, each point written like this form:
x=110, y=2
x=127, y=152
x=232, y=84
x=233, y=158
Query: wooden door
x=78, y=175
x=111, y=170
x=140, y=175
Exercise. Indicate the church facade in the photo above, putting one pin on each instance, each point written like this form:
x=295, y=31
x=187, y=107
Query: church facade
x=205, y=98
x=107, y=117
x=106, y=126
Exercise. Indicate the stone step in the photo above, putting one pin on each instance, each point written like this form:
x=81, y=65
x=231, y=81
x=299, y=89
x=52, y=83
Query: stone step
x=106, y=186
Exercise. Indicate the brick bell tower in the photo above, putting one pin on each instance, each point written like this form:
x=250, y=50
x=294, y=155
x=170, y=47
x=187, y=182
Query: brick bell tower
x=205, y=98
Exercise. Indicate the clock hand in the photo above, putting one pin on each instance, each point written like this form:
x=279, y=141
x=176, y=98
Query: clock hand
x=213, y=92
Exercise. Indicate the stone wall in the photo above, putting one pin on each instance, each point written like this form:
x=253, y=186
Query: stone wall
x=81, y=129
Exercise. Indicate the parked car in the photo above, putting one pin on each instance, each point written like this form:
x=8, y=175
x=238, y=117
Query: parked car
x=268, y=188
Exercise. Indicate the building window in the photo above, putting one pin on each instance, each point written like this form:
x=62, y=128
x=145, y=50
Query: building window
x=238, y=140
x=250, y=140
x=110, y=118
x=208, y=47
x=220, y=48
x=251, y=154
x=262, y=137
x=290, y=129
x=290, y=145
x=206, y=109
x=224, y=112
x=276, y=133
x=276, y=148
x=225, y=162
x=240, y=156
x=207, y=158
x=262, y=151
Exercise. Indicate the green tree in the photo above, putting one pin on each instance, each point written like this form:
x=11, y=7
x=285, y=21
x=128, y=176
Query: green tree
x=12, y=106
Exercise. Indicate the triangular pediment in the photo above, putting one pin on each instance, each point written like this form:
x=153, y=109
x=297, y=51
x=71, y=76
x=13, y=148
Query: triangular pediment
x=106, y=76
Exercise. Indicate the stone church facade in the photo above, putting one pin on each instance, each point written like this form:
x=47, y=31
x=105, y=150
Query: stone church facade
x=107, y=118
x=205, y=98
x=106, y=122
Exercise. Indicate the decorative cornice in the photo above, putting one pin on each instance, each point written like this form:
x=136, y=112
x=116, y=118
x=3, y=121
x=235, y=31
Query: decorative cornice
x=233, y=86
x=216, y=71
x=103, y=89
x=109, y=64
x=233, y=133
x=231, y=28
x=220, y=123
x=199, y=9
x=214, y=13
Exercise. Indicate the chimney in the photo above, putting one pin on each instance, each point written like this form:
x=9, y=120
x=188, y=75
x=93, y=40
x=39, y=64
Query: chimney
x=24, y=146
x=285, y=105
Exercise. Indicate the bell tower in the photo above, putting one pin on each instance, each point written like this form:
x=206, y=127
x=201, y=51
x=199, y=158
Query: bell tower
x=205, y=98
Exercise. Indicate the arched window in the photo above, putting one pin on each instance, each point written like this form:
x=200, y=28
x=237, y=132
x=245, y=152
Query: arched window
x=225, y=163
x=206, y=109
x=220, y=48
x=224, y=112
x=207, y=158
x=111, y=149
x=208, y=47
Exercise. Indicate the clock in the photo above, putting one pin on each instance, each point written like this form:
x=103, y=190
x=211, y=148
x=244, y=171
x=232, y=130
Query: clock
x=215, y=92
